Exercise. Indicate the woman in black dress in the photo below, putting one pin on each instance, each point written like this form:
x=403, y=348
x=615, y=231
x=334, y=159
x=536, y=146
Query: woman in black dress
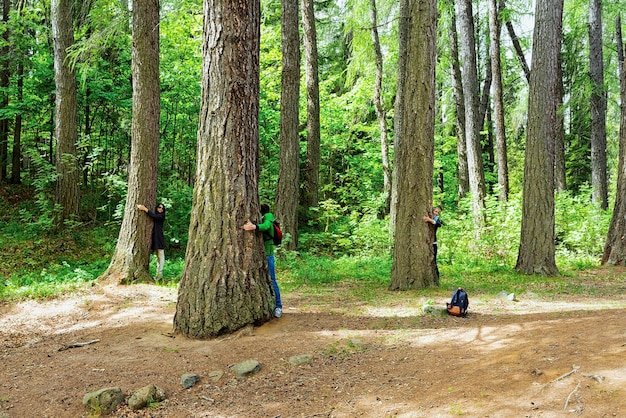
x=158, y=239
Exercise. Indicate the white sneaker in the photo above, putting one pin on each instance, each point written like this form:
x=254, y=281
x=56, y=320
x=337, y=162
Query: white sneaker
x=278, y=312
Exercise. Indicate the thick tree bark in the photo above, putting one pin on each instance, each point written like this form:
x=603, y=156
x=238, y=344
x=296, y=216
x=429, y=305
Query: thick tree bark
x=378, y=102
x=403, y=29
x=225, y=284
x=66, y=124
x=473, y=127
x=537, y=246
x=132, y=254
x=599, y=183
x=310, y=186
x=413, y=257
x=498, y=105
x=615, y=246
x=287, y=195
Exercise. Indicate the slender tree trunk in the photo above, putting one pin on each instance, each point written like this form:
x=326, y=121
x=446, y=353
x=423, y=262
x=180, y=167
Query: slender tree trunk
x=537, y=246
x=66, y=126
x=225, y=284
x=476, y=169
x=485, y=93
x=286, y=207
x=378, y=102
x=413, y=257
x=459, y=106
x=16, y=155
x=16, y=159
x=310, y=185
x=516, y=45
x=4, y=89
x=87, y=134
x=132, y=253
x=498, y=105
x=599, y=184
x=615, y=246
x=560, y=183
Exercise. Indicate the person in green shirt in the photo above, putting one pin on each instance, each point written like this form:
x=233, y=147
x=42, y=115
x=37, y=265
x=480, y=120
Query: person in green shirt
x=267, y=228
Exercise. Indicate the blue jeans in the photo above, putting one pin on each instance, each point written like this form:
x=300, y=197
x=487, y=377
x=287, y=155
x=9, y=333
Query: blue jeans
x=435, y=254
x=270, y=266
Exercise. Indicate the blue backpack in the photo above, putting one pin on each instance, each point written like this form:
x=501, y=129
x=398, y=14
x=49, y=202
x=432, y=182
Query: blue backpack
x=459, y=303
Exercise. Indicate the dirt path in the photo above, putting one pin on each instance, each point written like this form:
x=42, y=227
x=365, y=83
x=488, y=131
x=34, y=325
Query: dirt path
x=507, y=359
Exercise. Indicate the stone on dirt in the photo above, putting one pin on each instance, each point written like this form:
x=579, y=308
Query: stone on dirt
x=104, y=400
x=246, y=367
x=189, y=380
x=301, y=359
x=145, y=396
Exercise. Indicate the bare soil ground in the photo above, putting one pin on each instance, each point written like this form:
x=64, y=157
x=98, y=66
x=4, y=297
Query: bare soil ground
x=530, y=358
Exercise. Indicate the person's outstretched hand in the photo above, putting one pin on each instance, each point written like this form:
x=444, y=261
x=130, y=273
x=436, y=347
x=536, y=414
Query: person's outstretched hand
x=142, y=207
x=249, y=226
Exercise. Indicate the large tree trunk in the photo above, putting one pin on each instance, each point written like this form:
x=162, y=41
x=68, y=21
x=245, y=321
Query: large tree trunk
x=225, y=284
x=615, y=246
x=287, y=195
x=403, y=29
x=132, y=254
x=66, y=126
x=599, y=184
x=310, y=186
x=378, y=102
x=537, y=246
x=413, y=256
x=473, y=126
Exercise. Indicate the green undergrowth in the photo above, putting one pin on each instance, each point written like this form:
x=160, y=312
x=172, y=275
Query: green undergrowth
x=47, y=267
x=36, y=262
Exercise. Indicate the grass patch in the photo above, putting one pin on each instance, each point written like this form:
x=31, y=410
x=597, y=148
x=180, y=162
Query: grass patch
x=57, y=279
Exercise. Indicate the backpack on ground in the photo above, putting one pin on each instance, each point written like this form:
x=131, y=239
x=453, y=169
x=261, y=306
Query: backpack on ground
x=459, y=303
x=278, y=233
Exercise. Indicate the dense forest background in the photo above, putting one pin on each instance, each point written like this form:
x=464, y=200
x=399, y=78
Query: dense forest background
x=352, y=214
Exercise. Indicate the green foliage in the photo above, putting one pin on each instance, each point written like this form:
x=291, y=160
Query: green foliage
x=495, y=244
x=177, y=197
x=581, y=228
x=116, y=189
x=39, y=215
x=352, y=255
x=319, y=270
x=57, y=279
x=37, y=264
x=580, y=231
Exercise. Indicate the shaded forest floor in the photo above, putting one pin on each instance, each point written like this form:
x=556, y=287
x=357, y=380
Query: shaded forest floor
x=529, y=358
